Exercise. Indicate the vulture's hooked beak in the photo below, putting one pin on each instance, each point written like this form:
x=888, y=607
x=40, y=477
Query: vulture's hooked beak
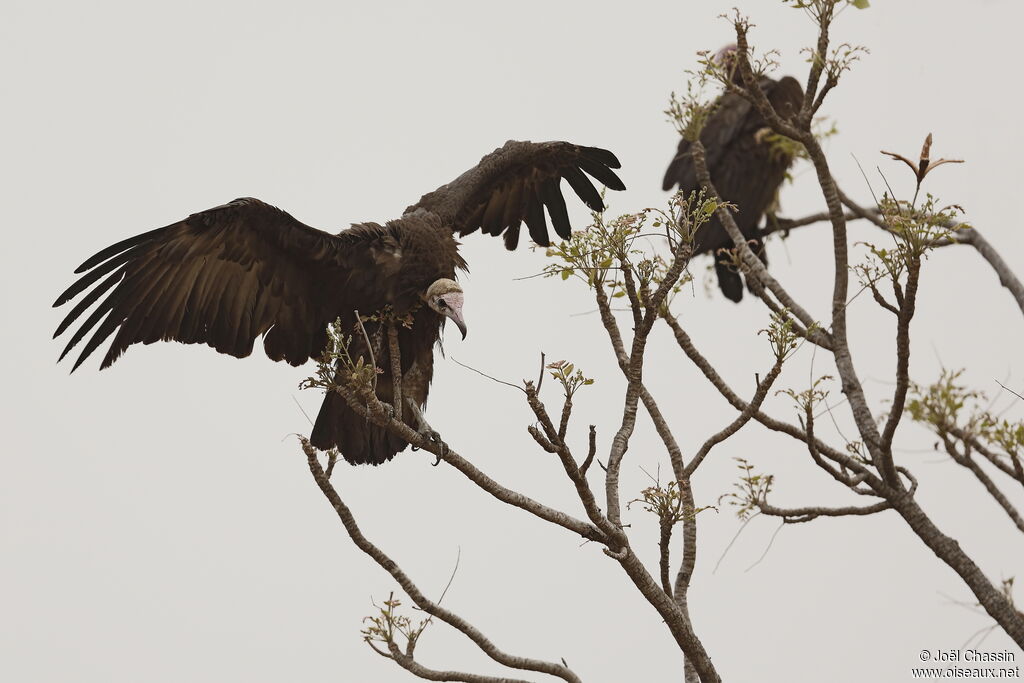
x=456, y=317
x=452, y=308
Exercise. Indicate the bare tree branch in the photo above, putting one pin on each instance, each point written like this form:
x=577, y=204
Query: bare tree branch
x=907, y=303
x=748, y=412
x=964, y=459
x=620, y=442
x=750, y=260
x=1012, y=469
x=806, y=514
x=424, y=603
x=686, y=344
x=412, y=666
x=374, y=411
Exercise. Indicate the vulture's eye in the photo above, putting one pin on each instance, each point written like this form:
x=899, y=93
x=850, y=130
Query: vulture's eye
x=441, y=303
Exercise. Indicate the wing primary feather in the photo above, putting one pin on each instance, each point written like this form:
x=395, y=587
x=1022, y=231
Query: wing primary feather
x=89, y=300
x=119, y=247
x=601, y=156
x=536, y=223
x=585, y=189
x=81, y=283
x=102, y=332
x=143, y=291
x=110, y=323
x=602, y=173
x=552, y=194
x=105, y=307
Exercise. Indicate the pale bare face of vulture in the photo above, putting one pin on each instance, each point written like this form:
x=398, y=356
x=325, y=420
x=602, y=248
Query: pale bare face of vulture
x=445, y=297
x=726, y=58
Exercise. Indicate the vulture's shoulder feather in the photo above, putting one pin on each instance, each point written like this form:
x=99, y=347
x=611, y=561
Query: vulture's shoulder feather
x=221, y=277
x=514, y=184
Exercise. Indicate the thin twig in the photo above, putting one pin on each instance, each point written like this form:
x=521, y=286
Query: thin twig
x=369, y=347
x=768, y=547
x=733, y=541
x=484, y=374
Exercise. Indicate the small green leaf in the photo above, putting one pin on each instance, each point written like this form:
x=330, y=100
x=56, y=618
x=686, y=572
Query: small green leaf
x=860, y=4
x=566, y=273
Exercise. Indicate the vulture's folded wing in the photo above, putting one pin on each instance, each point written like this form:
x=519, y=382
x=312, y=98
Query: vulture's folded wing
x=720, y=131
x=221, y=277
x=515, y=182
x=734, y=118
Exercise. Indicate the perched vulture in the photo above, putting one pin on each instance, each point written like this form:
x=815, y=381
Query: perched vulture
x=745, y=168
x=225, y=276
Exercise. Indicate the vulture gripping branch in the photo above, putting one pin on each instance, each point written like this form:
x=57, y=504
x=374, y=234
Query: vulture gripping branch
x=228, y=275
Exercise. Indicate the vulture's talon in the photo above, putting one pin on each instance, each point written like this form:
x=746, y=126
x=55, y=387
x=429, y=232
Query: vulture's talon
x=435, y=438
x=444, y=449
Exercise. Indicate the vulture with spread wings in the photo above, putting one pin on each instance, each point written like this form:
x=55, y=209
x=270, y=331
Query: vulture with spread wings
x=745, y=165
x=225, y=276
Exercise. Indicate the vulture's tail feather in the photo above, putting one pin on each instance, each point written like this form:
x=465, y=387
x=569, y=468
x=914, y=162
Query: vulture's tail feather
x=360, y=441
x=729, y=281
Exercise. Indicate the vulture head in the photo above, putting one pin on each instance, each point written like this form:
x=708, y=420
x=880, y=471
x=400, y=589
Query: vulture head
x=726, y=58
x=444, y=296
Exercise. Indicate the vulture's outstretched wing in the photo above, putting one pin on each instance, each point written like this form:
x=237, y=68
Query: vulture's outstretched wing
x=515, y=182
x=223, y=277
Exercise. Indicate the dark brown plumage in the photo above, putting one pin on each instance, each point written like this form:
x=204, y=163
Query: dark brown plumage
x=744, y=167
x=225, y=276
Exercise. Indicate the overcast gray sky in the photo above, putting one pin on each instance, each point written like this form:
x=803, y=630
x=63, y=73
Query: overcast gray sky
x=159, y=524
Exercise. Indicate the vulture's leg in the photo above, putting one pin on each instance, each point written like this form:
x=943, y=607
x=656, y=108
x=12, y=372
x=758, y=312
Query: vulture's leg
x=426, y=430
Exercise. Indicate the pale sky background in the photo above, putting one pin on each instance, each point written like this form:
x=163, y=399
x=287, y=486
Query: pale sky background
x=159, y=524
